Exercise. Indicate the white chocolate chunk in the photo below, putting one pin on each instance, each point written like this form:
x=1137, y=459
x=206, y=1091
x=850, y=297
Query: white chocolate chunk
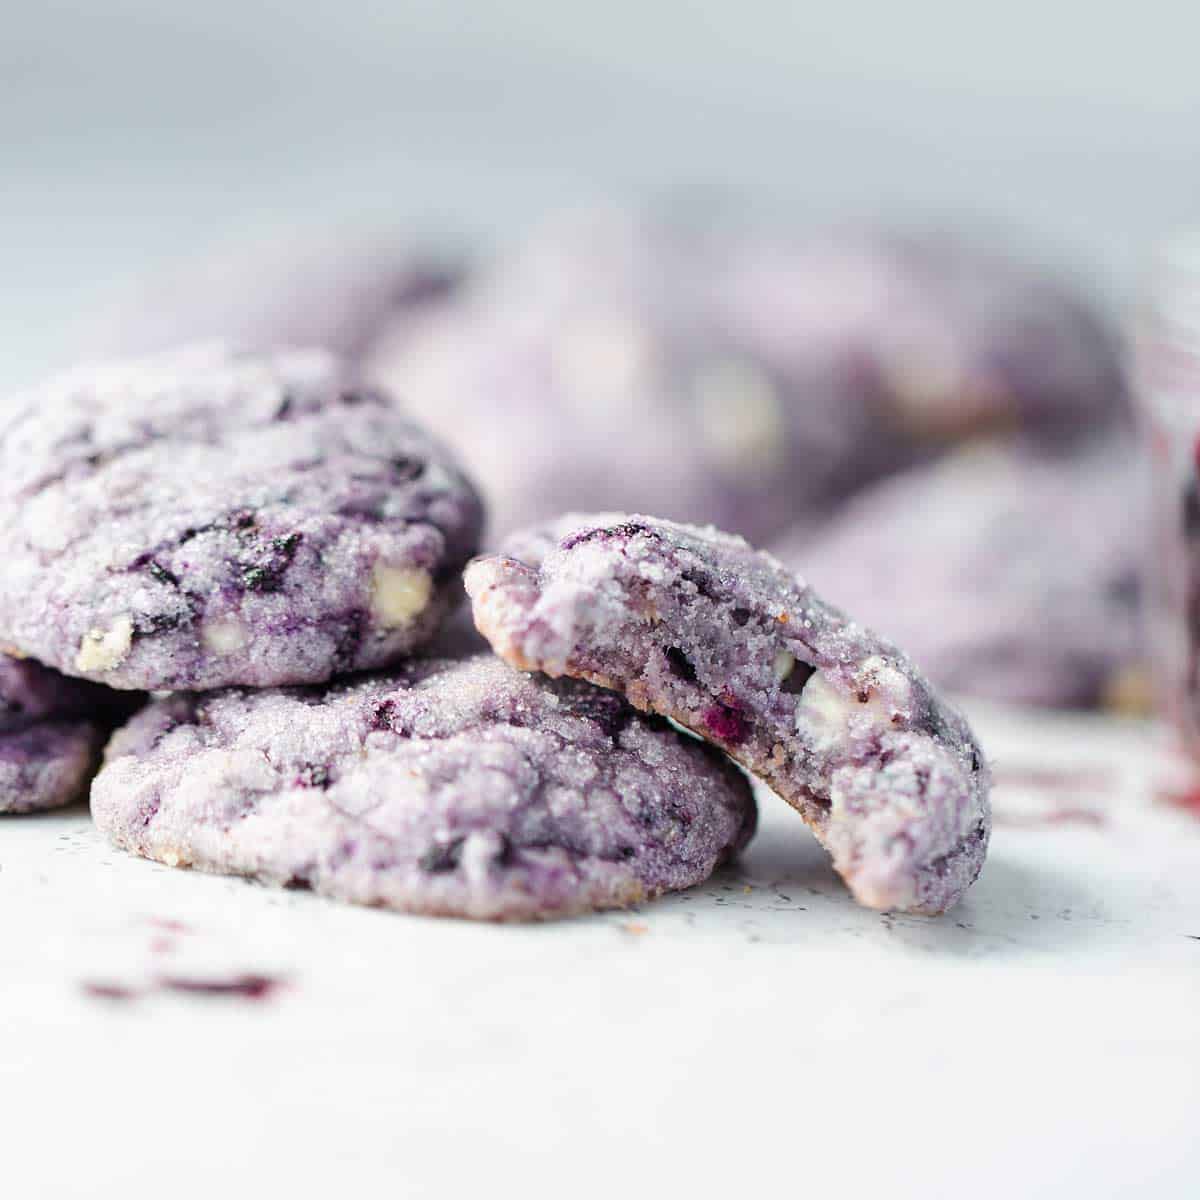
x=225, y=636
x=101, y=650
x=741, y=417
x=399, y=594
x=826, y=714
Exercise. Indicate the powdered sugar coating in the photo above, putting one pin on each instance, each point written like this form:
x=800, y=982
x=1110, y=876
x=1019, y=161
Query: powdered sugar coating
x=459, y=788
x=696, y=625
x=205, y=518
x=1006, y=573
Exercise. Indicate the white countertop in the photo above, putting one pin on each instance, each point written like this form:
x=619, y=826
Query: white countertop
x=757, y=1036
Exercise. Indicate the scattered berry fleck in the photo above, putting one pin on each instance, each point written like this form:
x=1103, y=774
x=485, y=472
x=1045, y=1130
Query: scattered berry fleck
x=244, y=987
x=107, y=991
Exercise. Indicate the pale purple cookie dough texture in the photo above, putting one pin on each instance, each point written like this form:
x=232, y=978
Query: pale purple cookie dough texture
x=51, y=729
x=317, y=289
x=695, y=625
x=741, y=379
x=1005, y=573
x=47, y=765
x=573, y=374
x=204, y=518
x=449, y=788
x=941, y=337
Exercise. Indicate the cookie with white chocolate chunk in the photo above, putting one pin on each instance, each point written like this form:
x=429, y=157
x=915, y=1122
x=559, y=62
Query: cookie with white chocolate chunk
x=697, y=626
x=451, y=787
x=202, y=518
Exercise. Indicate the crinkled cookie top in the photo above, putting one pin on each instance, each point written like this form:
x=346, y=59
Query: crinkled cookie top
x=696, y=625
x=456, y=787
x=203, y=518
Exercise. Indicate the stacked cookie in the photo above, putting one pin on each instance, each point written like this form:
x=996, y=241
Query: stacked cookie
x=51, y=730
x=274, y=550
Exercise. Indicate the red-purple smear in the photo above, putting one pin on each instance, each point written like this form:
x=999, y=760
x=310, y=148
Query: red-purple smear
x=1066, y=779
x=724, y=723
x=162, y=945
x=1188, y=801
x=245, y=987
x=239, y=987
x=107, y=991
x=169, y=924
x=1059, y=815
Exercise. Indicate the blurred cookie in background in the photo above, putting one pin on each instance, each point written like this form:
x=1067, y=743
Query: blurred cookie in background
x=319, y=289
x=1007, y=573
x=619, y=361
x=945, y=338
x=579, y=373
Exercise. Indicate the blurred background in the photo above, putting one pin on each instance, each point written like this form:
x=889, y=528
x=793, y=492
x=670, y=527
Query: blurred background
x=137, y=131
x=935, y=431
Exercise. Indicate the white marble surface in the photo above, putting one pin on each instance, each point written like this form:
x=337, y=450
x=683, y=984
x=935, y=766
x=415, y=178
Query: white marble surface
x=757, y=1036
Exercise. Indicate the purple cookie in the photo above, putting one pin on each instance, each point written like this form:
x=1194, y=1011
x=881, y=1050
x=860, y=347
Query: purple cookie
x=697, y=626
x=203, y=518
x=51, y=729
x=941, y=338
x=585, y=371
x=741, y=380
x=1005, y=573
x=48, y=764
x=450, y=788
x=328, y=291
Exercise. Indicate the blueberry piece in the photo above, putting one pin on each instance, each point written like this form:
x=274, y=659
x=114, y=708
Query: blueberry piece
x=161, y=575
x=313, y=775
x=605, y=709
x=628, y=529
x=441, y=856
x=680, y=665
x=406, y=469
x=267, y=574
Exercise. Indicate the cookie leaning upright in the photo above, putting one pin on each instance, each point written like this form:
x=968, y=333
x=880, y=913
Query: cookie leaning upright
x=202, y=518
x=696, y=625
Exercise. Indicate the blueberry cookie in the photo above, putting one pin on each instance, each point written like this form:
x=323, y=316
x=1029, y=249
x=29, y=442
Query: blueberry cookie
x=695, y=625
x=941, y=338
x=1005, y=573
x=451, y=788
x=204, y=518
x=51, y=730
x=329, y=291
x=739, y=379
x=588, y=347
